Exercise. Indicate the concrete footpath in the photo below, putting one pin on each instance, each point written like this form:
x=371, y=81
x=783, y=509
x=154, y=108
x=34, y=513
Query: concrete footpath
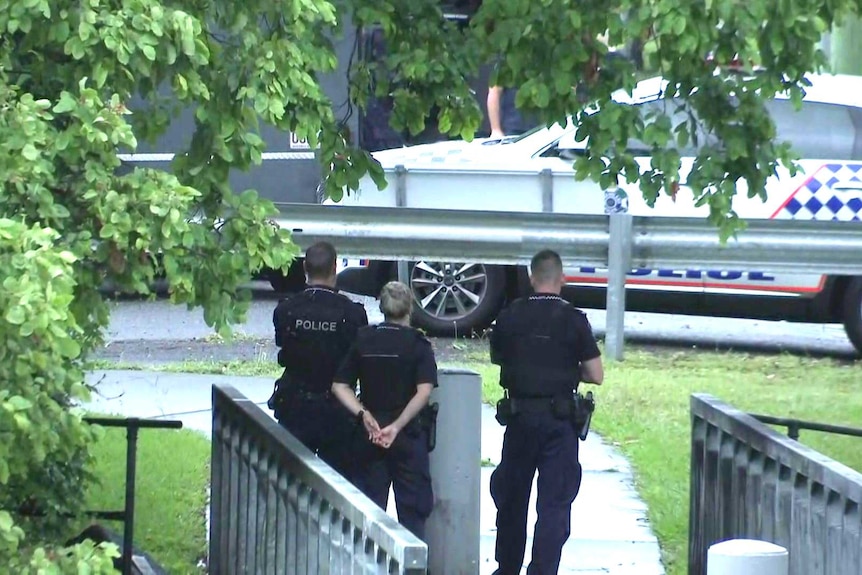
x=610, y=532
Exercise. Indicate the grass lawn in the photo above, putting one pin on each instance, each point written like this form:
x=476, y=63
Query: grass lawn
x=171, y=481
x=644, y=409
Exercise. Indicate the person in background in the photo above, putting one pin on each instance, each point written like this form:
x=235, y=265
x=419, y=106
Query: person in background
x=503, y=116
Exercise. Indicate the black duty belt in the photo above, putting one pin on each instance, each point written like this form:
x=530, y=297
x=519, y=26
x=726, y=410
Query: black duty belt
x=531, y=404
x=313, y=395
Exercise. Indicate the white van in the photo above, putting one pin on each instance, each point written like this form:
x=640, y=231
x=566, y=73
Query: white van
x=458, y=297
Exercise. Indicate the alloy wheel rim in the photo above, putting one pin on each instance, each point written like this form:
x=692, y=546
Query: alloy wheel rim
x=448, y=290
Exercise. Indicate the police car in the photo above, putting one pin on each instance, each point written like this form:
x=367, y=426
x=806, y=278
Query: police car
x=506, y=175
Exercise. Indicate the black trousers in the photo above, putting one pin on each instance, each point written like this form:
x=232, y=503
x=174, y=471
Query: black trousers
x=324, y=426
x=535, y=441
x=405, y=467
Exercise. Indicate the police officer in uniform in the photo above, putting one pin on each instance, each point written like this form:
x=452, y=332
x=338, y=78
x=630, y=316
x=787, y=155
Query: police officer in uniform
x=314, y=329
x=543, y=346
x=396, y=369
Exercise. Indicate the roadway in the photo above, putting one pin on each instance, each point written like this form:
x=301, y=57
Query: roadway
x=158, y=326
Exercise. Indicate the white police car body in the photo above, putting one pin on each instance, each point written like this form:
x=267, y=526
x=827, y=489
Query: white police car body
x=506, y=176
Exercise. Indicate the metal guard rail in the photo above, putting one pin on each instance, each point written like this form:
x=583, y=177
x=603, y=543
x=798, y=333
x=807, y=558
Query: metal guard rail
x=277, y=508
x=512, y=238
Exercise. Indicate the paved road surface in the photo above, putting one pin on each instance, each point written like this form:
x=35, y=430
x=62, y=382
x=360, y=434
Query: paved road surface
x=152, y=321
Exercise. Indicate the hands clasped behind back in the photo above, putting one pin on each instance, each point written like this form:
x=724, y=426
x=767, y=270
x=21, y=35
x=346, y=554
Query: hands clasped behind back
x=383, y=437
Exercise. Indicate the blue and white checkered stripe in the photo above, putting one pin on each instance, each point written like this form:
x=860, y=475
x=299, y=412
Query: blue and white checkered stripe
x=818, y=198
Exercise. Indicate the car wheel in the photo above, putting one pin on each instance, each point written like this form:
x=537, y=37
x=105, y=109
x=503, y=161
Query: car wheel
x=853, y=313
x=456, y=298
x=293, y=282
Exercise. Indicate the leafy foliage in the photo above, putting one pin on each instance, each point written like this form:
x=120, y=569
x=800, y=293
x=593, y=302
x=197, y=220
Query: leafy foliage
x=42, y=441
x=73, y=219
x=717, y=110
x=81, y=81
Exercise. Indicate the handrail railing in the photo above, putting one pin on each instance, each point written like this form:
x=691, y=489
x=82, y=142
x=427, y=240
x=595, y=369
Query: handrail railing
x=277, y=508
x=749, y=481
x=127, y=516
x=794, y=426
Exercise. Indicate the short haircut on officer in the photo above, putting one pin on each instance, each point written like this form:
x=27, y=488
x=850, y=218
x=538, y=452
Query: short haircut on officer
x=546, y=266
x=320, y=260
x=396, y=301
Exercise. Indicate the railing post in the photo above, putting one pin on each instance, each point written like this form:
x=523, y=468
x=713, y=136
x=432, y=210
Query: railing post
x=546, y=176
x=217, y=484
x=619, y=264
x=453, y=527
x=793, y=430
x=747, y=557
x=131, y=465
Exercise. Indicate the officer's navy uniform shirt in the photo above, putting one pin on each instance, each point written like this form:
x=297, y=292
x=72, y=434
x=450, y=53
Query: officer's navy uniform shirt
x=389, y=360
x=314, y=330
x=539, y=342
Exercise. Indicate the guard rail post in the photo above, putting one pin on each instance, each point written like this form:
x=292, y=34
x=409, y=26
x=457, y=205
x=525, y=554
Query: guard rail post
x=401, y=201
x=619, y=265
x=453, y=527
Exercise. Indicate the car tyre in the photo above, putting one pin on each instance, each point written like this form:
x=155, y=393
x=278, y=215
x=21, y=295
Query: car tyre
x=293, y=282
x=853, y=313
x=450, y=318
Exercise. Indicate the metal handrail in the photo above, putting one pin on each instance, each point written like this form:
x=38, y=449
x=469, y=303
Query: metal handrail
x=794, y=426
x=749, y=481
x=127, y=516
x=512, y=238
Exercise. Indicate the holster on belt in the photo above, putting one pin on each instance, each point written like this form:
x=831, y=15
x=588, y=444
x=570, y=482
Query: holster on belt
x=576, y=408
x=287, y=391
x=583, y=414
x=428, y=421
x=504, y=411
x=279, y=401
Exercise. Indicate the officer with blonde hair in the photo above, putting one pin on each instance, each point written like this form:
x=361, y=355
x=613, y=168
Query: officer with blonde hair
x=396, y=369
